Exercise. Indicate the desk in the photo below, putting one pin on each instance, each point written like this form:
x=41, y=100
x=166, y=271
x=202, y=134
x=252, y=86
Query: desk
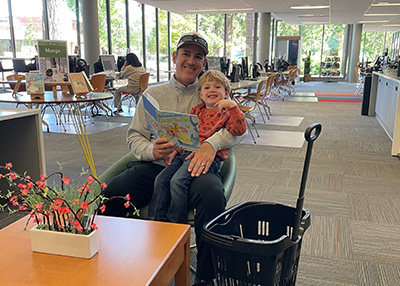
x=131, y=252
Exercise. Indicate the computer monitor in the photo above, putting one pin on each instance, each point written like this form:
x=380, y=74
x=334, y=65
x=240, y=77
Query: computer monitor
x=72, y=60
x=245, y=68
x=20, y=65
x=108, y=62
x=214, y=63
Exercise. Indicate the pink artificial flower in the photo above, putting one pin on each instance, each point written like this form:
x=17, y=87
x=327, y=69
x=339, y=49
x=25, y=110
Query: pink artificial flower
x=41, y=185
x=94, y=226
x=23, y=207
x=75, y=202
x=84, y=206
x=65, y=210
x=79, y=191
x=13, y=200
x=12, y=176
x=104, y=185
x=128, y=197
x=127, y=204
x=8, y=166
x=78, y=226
x=103, y=208
x=38, y=207
x=42, y=177
x=87, y=188
x=24, y=192
x=66, y=180
x=90, y=180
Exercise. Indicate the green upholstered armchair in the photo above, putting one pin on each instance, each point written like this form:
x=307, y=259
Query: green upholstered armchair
x=228, y=175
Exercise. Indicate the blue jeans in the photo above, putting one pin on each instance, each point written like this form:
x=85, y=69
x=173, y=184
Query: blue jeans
x=171, y=190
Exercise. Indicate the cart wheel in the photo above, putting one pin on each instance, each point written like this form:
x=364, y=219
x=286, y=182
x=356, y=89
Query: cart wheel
x=312, y=132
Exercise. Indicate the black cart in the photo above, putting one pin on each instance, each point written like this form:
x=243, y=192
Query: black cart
x=259, y=243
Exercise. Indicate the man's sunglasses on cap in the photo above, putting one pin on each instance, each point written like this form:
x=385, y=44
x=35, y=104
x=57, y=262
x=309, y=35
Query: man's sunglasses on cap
x=193, y=39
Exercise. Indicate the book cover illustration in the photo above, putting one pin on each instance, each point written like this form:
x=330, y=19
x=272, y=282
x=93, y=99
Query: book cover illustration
x=78, y=83
x=180, y=128
x=34, y=83
x=53, y=60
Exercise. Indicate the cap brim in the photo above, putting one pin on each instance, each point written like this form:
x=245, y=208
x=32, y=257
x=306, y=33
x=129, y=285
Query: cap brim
x=196, y=44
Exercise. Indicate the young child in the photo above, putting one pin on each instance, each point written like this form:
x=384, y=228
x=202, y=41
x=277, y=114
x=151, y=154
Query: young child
x=170, y=197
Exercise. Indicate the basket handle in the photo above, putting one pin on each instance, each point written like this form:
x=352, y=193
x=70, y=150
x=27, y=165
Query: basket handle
x=311, y=134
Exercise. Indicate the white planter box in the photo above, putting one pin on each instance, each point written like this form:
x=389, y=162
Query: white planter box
x=61, y=243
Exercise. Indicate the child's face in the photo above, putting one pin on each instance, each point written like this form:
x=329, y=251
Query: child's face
x=212, y=92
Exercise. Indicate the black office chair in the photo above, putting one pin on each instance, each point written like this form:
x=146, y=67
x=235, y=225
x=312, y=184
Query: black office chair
x=20, y=65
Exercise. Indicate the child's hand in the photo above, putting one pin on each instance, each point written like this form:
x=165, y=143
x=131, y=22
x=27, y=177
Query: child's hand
x=168, y=160
x=225, y=104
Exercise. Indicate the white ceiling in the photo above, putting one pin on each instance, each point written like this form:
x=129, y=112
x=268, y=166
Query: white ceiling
x=339, y=11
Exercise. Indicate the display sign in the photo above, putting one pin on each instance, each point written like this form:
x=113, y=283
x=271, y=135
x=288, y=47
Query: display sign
x=53, y=60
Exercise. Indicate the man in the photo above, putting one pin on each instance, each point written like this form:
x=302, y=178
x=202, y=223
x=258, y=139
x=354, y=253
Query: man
x=206, y=192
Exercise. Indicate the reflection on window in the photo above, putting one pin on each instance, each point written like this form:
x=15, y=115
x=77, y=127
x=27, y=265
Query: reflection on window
x=241, y=43
x=118, y=27
x=27, y=26
x=332, y=56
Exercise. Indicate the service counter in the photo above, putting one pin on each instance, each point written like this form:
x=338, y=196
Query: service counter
x=385, y=106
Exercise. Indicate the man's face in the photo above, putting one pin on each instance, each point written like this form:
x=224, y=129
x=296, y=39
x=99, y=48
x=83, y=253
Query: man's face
x=190, y=61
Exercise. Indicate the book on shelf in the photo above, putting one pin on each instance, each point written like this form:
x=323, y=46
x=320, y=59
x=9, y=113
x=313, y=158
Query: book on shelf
x=180, y=128
x=78, y=83
x=35, y=84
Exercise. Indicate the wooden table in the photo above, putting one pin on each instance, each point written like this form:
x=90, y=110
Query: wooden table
x=131, y=252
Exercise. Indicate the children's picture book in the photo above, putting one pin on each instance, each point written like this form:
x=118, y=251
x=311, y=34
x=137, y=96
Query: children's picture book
x=78, y=83
x=34, y=83
x=180, y=128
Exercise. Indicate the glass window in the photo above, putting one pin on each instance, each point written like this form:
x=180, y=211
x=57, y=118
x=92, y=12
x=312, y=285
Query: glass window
x=287, y=30
x=5, y=36
x=163, y=43
x=331, y=64
x=27, y=26
x=118, y=27
x=311, y=41
x=181, y=24
x=211, y=27
x=62, y=22
x=151, y=61
x=135, y=29
x=240, y=31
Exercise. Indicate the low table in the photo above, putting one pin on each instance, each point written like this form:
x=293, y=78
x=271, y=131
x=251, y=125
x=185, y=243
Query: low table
x=131, y=252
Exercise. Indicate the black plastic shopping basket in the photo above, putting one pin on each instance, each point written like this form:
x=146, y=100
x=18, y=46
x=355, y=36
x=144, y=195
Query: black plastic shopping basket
x=259, y=243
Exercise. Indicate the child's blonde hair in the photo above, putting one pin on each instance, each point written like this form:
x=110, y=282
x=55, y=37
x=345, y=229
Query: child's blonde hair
x=214, y=76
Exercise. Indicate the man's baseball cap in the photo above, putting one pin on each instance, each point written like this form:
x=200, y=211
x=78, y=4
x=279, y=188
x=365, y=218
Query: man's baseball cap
x=193, y=39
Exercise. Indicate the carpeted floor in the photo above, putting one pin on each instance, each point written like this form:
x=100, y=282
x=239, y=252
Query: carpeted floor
x=352, y=190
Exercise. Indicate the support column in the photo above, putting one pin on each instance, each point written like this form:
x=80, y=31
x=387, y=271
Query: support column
x=355, y=52
x=91, y=41
x=264, y=40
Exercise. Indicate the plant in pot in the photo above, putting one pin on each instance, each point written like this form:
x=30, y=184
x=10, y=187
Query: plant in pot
x=64, y=214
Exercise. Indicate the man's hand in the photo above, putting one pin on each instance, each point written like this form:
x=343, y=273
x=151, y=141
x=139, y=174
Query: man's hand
x=162, y=148
x=202, y=160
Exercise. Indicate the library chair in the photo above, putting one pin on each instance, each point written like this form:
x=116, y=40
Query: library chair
x=144, y=81
x=228, y=176
x=247, y=109
x=14, y=77
x=284, y=88
x=98, y=82
x=227, y=172
x=263, y=98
